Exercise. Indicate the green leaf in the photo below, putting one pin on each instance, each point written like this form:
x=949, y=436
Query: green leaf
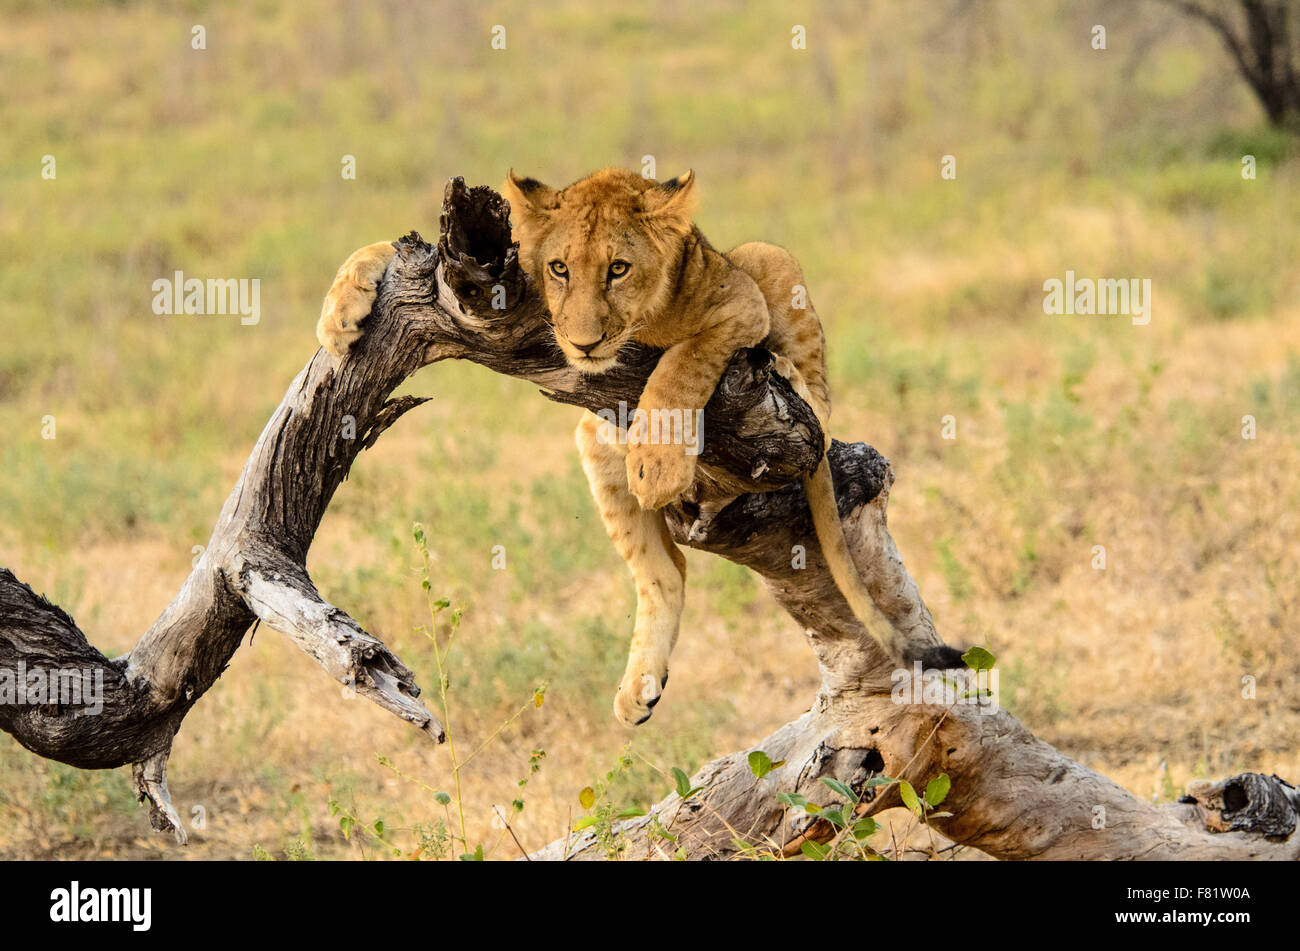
x=840, y=788
x=834, y=816
x=631, y=812
x=379, y=828
x=798, y=801
x=475, y=856
x=936, y=790
x=587, y=797
x=908, y=794
x=760, y=764
x=977, y=658
x=345, y=826
x=865, y=827
x=680, y=856
x=815, y=851
x=584, y=822
x=794, y=800
x=875, y=781
x=683, y=783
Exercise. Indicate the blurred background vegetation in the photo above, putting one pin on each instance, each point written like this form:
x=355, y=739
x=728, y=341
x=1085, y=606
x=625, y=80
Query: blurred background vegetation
x=1072, y=432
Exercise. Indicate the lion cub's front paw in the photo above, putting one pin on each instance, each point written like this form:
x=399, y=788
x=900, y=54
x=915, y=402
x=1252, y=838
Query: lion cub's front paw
x=637, y=695
x=341, y=315
x=351, y=296
x=658, y=474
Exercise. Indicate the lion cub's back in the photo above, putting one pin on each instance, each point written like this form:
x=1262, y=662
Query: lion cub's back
x=796, y=331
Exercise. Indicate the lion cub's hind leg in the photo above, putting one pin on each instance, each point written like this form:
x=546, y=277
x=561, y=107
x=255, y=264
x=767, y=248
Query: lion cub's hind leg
x=351, y=295
x=658, y=567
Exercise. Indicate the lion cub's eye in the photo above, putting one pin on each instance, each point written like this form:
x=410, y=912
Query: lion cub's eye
x=619, y=268
x=558, y=269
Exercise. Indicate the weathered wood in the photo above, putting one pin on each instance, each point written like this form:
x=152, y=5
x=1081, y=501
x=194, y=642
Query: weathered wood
x=1013, y=796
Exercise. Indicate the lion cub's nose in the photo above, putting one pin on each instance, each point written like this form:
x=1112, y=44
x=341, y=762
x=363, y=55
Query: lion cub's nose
x=588, y=347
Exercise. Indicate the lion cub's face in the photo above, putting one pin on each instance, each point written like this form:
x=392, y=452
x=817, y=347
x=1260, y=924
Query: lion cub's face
x=604, y=251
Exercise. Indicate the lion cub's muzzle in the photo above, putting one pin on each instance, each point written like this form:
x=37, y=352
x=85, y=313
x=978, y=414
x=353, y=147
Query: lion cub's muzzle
x=597, y=356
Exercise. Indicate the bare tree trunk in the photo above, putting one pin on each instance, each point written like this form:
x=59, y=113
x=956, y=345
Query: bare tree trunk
x=1013, y=795
x=1264, y=42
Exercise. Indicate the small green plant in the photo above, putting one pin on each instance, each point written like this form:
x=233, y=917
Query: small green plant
x=841, y=832
x=448, y=835
x=603, y=812
x=299, y=851
x=849, y=830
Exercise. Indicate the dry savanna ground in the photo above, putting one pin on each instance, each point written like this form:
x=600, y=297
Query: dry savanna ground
x=1177, y=660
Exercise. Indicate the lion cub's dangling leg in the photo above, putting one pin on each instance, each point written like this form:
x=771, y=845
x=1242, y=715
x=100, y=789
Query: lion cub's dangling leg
x=657, y=566
x=353, y=292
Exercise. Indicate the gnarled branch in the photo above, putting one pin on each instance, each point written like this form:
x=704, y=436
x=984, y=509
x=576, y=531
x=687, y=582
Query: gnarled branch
x=436, y=304
x=1013, y=795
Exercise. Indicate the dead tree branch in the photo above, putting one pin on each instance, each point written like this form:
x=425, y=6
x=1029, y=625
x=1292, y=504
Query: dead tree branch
x=1013, y=796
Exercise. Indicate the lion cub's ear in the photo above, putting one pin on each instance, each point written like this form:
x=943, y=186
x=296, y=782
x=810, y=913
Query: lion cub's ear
x=670, y=204
x=528, y=197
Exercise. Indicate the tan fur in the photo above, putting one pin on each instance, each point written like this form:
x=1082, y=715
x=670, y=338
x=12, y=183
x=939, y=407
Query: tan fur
x=619, y=260
x=348, y=302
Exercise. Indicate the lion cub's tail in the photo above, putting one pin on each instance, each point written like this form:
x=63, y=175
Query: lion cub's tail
x=820, y=490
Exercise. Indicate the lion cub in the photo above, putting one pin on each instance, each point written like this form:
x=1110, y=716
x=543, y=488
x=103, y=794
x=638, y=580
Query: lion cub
x=620, y=260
